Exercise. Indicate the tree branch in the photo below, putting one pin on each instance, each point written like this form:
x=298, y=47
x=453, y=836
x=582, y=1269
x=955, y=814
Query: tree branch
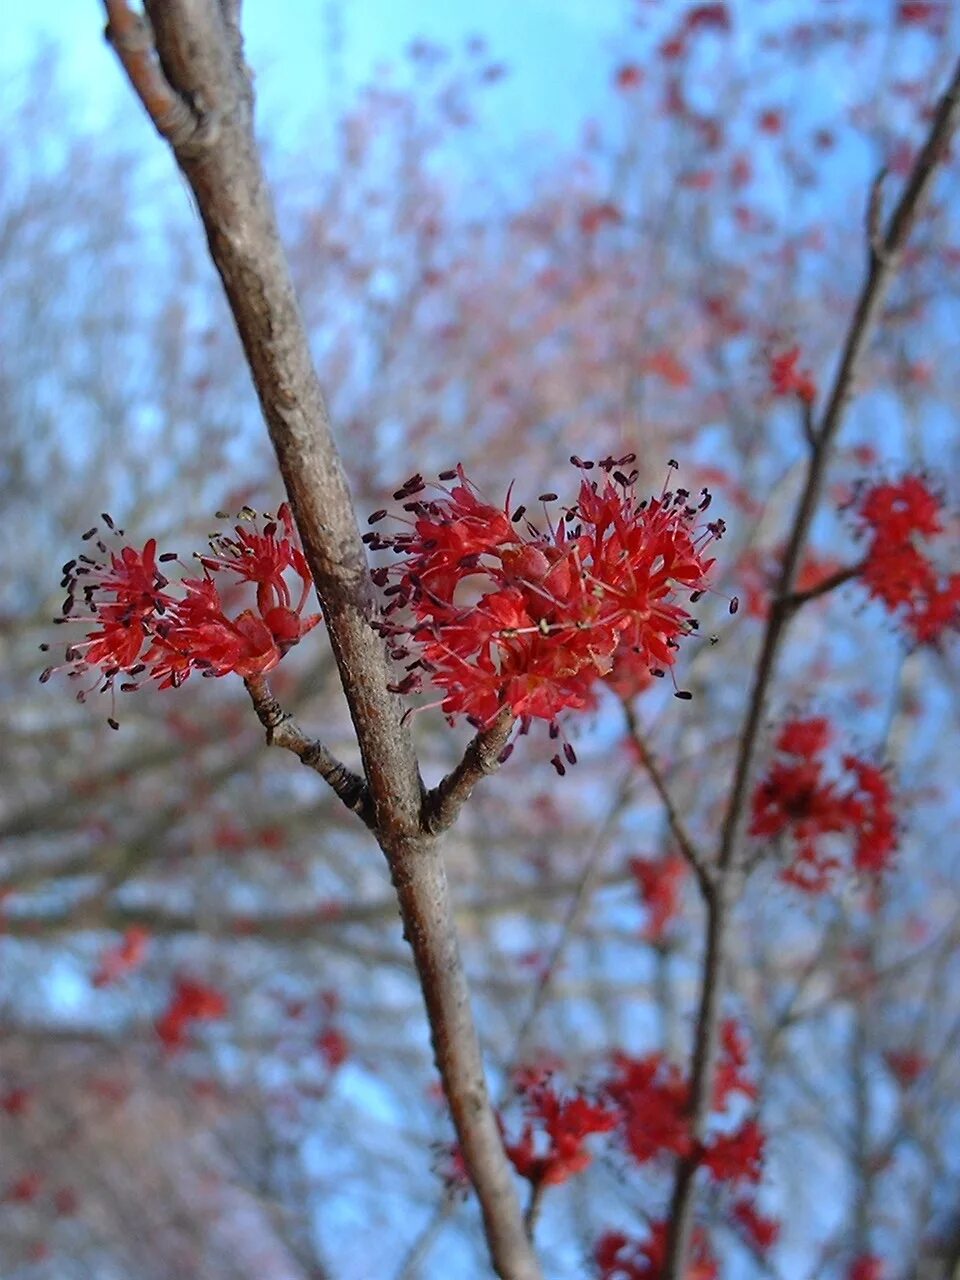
x=283, y=731
x=883, y=252
x=797, y=599
x=132, y=41
x=482, y=757
x=676, y=824
x=199, y=51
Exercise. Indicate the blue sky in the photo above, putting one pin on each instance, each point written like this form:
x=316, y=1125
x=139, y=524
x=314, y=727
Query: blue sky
x=557, y=51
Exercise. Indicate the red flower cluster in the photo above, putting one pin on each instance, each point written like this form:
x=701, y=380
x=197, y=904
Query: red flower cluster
x=896, y=571
x=796, y=799
x=660, y=881
x=619, y=1257
x=732, y=1070
x=652, y=1098
x=140, y=628
x=190, y=1002
x=564, y=1124
x=866, y=1267
x=762, y=1231
x=921, y=12
x=508, y=616
x=786, y=379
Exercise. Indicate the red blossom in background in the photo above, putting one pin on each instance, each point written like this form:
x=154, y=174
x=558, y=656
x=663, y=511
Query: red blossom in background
x=732, y=1075
x=900, y=517
x=506, y=615
x=653, y=1098
x=189, y=1002
x=550, y=1149
x=921, y=12
x=124, y=958
x=15, y=1102
x=705, y=17
x=621, y=1257
x=797, y=799
x=736, y=1156
x=906, y=1065
x=786, y=379
x=660, y=881
x=141, y=629
x=334, y=1047
x=628, y=77
x=763, y=1232
x=24, y=1189
x=866, y=1267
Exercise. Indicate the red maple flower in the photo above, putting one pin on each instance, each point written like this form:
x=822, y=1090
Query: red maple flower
x=550, y=1149
x=736, y=1156
x=900, y=518
x=786, y=379
x=660, y=881
x=620, y=1257
x=142, y=627
x=798, y=800
x=906, y=1065
x=125, y=957
x=867, y=1267
x=15, y=1102
x=189, y=1002
x=628, y=76
x=24, y=1189
x=702, y=17
x=334, y=1047
x=732, y=1075
x=507, y=615
x=920, y=12
x=762, y=1231
x=652, y=1098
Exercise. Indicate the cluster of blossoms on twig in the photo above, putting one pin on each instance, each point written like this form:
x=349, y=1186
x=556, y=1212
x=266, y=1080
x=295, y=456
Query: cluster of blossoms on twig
x=141, y=626
x=799, y=800
x=503, y=614
x=644, y=1105
x=900, y=517
x=788, y=379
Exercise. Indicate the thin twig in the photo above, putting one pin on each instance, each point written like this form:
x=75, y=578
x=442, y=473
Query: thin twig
x=482, y=757
x=283, y=731
x=808, y=422
x=883, y=252
x=797, y=599
x=678, y=829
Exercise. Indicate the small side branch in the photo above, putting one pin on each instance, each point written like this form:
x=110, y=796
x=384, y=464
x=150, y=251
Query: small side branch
x=283, y=731
x=884, y=249
x=481, y=758
x=676, y=824
x=131, y=38
x=797, y=599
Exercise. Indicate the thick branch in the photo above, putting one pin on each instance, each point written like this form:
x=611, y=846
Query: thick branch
x=199, y=50
x=884, y=250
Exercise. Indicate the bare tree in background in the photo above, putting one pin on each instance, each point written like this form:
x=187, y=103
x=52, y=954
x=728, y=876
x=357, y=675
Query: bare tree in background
x=184, y=59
